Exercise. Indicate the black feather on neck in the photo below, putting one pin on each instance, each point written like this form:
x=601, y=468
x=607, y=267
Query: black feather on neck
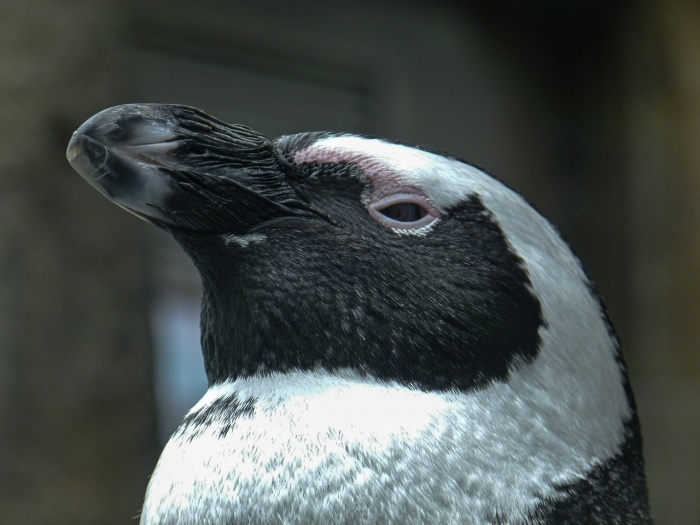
x=311, y=296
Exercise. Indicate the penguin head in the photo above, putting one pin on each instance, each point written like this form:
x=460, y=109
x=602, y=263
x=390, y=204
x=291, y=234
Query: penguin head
x=323, y=250
x=337, y=251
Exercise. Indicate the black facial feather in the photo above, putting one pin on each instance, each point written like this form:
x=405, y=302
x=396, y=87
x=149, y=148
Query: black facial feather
x=418, y=310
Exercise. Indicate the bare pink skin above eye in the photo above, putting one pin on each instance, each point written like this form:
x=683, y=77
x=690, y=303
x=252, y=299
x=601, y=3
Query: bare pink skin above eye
x=380, y=175
x=387, y=187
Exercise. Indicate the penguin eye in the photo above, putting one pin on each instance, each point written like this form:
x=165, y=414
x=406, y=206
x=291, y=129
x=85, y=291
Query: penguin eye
x=404, y=211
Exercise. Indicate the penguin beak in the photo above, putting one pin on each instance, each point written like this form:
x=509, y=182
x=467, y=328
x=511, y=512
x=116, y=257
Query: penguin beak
x=180, y=168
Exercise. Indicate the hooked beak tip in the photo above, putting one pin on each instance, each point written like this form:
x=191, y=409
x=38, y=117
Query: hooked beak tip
x=73, y=148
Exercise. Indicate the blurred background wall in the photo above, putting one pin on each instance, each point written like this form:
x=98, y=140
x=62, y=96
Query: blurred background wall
x=589, y=108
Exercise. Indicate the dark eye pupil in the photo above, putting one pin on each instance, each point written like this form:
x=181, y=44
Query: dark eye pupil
x=404, y=212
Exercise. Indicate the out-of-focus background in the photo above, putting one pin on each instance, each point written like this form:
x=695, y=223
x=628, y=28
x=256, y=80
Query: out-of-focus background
x=590, y=108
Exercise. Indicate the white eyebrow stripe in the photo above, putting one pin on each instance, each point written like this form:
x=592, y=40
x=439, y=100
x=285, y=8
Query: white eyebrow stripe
x=445, y=181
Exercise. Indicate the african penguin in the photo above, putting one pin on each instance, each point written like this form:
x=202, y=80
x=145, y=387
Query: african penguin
x=390, y=335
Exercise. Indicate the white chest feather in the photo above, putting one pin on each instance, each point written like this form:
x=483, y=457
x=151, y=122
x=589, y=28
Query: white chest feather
x=316, y=448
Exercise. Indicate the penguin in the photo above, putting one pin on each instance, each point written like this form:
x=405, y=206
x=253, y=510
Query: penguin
x=390, y=335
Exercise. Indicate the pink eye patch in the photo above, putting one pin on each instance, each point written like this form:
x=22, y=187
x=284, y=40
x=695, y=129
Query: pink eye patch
x=391, y=202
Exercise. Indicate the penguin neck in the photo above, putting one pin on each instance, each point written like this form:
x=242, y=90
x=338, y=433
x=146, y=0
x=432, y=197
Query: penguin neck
x=232, y=325
x=243, y=336
x=231, y=346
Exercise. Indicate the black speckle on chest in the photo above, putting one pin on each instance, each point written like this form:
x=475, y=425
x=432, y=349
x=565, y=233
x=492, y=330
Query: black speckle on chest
x=222, y=413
